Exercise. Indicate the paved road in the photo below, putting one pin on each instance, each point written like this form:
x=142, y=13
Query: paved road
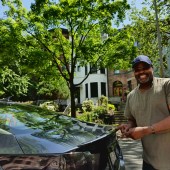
x=132, y=153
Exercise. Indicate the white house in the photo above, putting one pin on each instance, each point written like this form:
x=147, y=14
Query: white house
x=94, y=86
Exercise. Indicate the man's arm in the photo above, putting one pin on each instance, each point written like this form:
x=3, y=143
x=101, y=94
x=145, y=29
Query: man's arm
x=162, y=126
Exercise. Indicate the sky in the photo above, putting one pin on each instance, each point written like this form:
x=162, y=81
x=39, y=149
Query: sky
x=27, y=3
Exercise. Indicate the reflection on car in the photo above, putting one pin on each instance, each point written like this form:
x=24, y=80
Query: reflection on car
x=33, y=138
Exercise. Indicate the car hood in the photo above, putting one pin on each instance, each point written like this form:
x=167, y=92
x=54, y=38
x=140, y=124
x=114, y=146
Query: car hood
x=31, y=130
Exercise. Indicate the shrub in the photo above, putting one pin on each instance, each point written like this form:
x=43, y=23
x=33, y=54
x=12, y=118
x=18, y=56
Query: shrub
x=50, y=105
x=87, y=105
x=84, y=117
x=111, y=108
x=99, y=114
x=103, y=101
x=100, y=110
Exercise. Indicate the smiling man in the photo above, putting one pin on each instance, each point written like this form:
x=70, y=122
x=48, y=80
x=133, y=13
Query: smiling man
x=147, y=110
x=143, y=71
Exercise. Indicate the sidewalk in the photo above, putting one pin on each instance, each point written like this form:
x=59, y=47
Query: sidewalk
x=132, y=153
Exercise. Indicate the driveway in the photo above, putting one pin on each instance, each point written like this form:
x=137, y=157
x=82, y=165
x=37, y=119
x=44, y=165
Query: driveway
x=132, y=153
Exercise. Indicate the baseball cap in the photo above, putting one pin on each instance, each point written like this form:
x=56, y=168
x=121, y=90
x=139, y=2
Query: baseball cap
x=141, y=58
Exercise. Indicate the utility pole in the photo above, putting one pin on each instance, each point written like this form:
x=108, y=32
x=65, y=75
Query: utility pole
x=159, y=39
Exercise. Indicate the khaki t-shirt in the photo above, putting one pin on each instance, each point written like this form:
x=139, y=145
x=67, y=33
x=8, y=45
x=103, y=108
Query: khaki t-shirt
x=147, y=108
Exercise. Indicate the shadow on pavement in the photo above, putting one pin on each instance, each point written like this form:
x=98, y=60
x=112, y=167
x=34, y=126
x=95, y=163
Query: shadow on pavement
x=132, y=153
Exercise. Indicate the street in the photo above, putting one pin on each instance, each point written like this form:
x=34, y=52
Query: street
x=132, y=153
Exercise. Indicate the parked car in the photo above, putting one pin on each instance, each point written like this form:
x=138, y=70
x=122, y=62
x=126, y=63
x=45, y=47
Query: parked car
x=33, y=138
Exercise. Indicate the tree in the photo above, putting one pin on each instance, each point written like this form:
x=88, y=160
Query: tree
x=158, y=9
x=144, y=30
x=67, y=32
x=12, y=81
x=51, y=85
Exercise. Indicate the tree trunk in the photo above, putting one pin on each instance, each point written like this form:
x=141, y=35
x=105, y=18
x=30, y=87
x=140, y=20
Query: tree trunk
x=73, y=104
x=159, y=40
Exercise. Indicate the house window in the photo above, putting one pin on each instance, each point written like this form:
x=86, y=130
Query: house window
x=94, y=89
x=116, y=71
x=86, y=91
x=77, y=94
x=78, y=68
x=117, y=88
x=93, y=69
x=103, y=88
x=85, y=70
x=102, y=70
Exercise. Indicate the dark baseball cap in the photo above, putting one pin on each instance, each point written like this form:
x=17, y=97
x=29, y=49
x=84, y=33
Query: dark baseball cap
x=141, y=58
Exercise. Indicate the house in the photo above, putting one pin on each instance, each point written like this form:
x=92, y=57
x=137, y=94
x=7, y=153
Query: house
x=111, y=83
x=120, y=82
x=94, y=86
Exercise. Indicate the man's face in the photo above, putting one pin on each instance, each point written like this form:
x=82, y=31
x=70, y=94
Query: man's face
x=143, y=73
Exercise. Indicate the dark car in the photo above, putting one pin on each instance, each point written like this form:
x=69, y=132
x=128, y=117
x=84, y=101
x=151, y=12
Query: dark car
x=32, y=138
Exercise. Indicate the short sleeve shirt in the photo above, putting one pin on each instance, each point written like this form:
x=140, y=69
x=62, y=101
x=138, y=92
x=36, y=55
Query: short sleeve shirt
x=147, y=108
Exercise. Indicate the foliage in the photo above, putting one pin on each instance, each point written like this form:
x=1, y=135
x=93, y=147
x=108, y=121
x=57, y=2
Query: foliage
x=100, y=110
x=24, y=74
x=13, y=84
x=87, y=105
x=50, y=105
x=144, y=31
x=103, y=101
x=97, y=114
x=80, y=41
x=12, y=80
x=86, y=116
x=52, y=86
x=90, y=117
x=111, y=107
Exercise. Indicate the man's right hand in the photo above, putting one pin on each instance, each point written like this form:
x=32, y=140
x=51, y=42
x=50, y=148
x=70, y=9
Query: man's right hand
x=124, y=128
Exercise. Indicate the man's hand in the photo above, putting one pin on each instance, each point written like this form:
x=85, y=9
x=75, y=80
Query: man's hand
x=137, y=132
x=124, y=128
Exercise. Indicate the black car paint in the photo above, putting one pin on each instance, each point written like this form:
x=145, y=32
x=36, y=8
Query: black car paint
x=32, y=133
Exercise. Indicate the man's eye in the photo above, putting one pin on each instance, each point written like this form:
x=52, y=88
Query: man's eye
x=141, y=69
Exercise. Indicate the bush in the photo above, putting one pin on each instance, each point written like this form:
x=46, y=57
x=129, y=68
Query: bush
x=111, y=107
x=103, y=101
x=85, y=117
x=50, y=105
x=87, y=105
x=102, y=114
x=100, y=110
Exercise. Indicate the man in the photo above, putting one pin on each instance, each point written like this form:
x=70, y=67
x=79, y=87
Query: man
x=148, y=115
